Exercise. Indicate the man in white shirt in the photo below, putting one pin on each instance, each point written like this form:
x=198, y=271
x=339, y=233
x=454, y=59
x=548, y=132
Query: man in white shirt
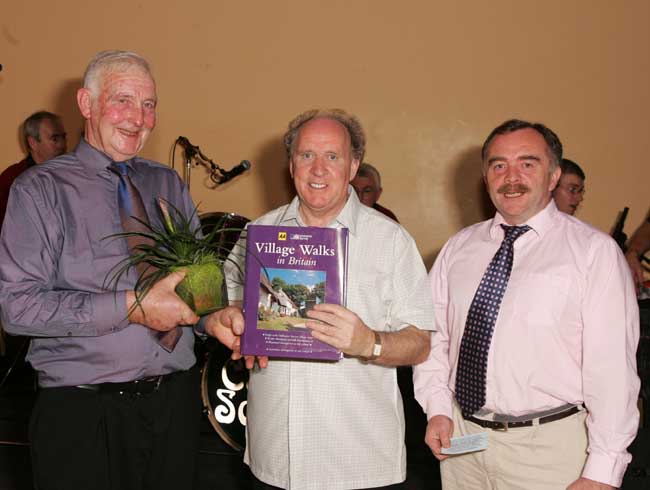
x=542, y=357
x=334, y=426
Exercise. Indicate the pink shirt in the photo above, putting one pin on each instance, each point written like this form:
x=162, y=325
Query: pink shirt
x=567, y=331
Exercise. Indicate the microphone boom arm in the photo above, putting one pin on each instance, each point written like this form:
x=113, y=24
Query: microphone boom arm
x=192, y=152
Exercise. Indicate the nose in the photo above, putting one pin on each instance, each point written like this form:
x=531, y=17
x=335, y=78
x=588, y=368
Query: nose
x=512, y=174
x=319, y=166
x=137, y=115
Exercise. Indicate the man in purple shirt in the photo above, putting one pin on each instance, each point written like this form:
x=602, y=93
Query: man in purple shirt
x=115, y=409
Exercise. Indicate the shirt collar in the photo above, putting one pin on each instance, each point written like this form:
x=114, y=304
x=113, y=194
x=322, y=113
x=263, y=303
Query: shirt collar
x=540, y=224
x=347, y=217
x=95, y=159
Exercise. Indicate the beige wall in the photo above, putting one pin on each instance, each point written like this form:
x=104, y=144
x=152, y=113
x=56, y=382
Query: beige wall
x=429, y=80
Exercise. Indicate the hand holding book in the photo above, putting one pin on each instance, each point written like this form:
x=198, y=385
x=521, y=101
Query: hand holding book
x=227, y=326
x=341, y=328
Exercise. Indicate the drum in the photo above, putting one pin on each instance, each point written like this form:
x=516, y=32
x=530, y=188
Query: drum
x=224, y=388
x=224, y=381
x=231, y=225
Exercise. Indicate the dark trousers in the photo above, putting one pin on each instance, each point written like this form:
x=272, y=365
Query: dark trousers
x=82, y=439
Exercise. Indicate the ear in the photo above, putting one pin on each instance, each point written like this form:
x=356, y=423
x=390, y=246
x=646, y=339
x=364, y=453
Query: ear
x=379, y=193
x=84, y=101
x=31, y=143
x=354, y=166
x=555, y=178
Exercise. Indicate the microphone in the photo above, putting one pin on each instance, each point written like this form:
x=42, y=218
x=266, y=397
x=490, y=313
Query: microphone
x=235, y=171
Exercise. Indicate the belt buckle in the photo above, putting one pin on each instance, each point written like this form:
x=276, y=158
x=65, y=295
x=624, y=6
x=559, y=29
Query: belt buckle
x=503, y=428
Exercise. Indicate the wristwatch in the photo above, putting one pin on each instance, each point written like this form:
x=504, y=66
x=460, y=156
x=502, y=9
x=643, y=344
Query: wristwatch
x=376, y=348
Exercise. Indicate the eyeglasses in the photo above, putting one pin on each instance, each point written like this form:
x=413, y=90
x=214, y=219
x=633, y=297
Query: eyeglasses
x=574, y=190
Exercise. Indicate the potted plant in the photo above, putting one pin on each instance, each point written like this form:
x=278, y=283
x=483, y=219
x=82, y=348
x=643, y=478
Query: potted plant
x=176, y=245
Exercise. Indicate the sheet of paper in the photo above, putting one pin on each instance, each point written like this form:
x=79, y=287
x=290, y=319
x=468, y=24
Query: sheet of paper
x=467, y=444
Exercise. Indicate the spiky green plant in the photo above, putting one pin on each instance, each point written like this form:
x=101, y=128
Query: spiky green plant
x=174, y=246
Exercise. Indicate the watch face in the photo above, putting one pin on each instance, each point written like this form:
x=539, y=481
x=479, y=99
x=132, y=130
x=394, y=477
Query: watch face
x=376, y=351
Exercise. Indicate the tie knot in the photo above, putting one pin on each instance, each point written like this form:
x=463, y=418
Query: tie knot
x=119, y=168
x=514, y=232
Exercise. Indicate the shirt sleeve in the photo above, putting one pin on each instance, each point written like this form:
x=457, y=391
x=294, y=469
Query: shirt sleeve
x=431, y=378
x=30, y=304
x=610, y=382
x=411, y=302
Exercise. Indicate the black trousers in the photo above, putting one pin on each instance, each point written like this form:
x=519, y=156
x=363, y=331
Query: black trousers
x=82, y=439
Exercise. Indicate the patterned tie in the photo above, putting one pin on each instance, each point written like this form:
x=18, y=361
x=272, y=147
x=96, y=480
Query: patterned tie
x=132, y=209
x=482, y=315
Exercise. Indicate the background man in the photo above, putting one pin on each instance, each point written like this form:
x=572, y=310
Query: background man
x=570, y=191
x=367, y=184
x=44, y=138
x=115, y=408
x=562, y=333
x=638, y=245
x=316, y=425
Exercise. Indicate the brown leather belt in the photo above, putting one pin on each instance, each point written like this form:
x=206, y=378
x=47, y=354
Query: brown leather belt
x=494, y=425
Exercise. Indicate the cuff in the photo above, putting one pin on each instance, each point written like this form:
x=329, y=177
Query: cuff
x=199, y=328
x=606, y=469
x=109, y=312
x=440, y=405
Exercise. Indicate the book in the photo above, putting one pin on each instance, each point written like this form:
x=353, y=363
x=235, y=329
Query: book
x=288, y=271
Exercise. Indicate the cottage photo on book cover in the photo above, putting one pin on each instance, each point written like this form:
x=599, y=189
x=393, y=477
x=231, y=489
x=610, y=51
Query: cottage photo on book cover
x=286, y=295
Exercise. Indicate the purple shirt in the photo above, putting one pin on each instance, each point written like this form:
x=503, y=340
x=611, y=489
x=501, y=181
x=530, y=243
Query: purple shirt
x=7, y=178
x=54, y=261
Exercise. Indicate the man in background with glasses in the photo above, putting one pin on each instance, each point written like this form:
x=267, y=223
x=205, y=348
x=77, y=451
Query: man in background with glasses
x=570, y=191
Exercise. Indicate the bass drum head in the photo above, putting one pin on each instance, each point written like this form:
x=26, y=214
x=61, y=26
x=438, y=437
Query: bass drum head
x=224, y=389
x=231, y=225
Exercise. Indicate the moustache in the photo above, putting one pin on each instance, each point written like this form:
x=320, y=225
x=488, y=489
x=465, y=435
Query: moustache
x=512, y=188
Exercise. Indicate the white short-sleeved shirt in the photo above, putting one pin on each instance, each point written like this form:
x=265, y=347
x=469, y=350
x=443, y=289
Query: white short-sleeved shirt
x=319, y=425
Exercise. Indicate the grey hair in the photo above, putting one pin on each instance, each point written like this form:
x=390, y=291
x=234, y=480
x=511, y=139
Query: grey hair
x=106, y=62
x=367, y=170
x=32, y=126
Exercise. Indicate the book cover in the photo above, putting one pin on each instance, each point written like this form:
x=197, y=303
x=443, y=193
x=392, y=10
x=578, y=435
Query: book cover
x=288, y=271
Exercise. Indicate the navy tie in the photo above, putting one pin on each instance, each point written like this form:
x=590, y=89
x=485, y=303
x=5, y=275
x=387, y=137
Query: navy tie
x=482, y=315
x=133, y=216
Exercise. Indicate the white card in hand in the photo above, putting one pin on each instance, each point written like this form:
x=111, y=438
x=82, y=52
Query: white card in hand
x=467, y=444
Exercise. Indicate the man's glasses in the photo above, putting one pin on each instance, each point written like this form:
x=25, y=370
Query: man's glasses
x=574, y=189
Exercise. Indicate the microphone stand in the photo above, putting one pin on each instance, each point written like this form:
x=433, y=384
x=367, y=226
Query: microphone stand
x=189, y=155
x=194, y=153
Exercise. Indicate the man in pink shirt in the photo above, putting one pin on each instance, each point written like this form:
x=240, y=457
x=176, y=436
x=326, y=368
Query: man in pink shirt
x=545, y=366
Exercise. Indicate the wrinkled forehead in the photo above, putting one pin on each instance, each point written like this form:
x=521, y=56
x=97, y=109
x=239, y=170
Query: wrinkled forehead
x=571, y=179
x=122, y=77
x=324, y=131
x=50, y=126
x=364, y=181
